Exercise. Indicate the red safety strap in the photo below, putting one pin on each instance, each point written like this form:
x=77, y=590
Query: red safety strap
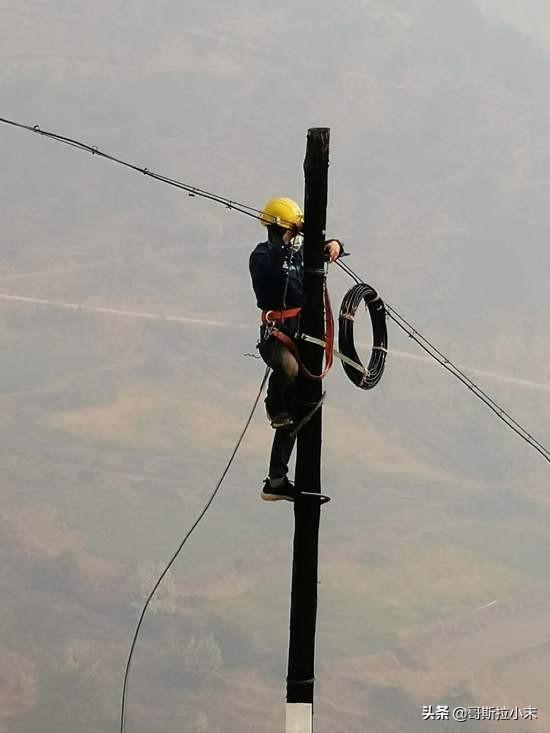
x=276, y=316
x=329, y=340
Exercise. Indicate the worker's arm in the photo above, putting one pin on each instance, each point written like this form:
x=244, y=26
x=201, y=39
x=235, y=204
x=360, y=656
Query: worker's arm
x=268, y=280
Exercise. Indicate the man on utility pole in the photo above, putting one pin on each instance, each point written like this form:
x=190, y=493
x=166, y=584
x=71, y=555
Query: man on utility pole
x=288, y=277
x=277, y=271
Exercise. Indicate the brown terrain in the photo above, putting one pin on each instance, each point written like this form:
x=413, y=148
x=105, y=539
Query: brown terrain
x=116, y=422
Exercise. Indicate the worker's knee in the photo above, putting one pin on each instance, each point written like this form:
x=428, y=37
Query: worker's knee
x=281, y=360
x=290, y=366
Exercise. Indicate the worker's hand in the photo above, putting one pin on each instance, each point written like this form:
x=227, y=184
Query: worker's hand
x=332, y=249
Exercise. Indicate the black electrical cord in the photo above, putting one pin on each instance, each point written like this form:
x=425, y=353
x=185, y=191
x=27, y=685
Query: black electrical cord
x=179, y=549
x=373, y=303
x=189, y=189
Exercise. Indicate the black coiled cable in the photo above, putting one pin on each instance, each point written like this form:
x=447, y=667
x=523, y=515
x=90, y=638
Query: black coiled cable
x=374, y=304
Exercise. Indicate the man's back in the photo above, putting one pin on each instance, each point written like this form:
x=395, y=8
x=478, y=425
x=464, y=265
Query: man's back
x=269, y=273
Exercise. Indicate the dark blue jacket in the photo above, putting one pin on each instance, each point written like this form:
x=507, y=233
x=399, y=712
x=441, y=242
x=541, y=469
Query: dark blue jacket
x=269, y=271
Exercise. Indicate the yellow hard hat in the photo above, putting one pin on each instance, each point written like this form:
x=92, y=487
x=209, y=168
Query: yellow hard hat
x=283, y=212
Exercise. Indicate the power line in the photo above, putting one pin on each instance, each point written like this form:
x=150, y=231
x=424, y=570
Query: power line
x=250, y=211
x=180, y=547
x=445, y=362
x=191, y=190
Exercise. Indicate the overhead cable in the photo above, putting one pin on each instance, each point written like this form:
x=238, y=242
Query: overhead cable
x=190, y=190
x=250, y=211
x=445, y=362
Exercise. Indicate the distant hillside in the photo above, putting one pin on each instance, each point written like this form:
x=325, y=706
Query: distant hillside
x=530, y=17
x=114, y=429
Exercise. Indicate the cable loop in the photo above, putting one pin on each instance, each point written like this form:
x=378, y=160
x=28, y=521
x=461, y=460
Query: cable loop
x=369, y=377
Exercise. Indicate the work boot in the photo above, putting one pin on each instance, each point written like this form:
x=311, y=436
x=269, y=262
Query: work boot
x=282, y=420
x=277, y=489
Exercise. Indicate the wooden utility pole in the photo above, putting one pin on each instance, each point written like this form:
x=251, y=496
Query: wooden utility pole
x=303, y=605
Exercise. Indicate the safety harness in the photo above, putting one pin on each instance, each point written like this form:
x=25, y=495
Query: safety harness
x=271, y=317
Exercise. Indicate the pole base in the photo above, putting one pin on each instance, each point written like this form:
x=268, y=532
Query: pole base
x=299, y=717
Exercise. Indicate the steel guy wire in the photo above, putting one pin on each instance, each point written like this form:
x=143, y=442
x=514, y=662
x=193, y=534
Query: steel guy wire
x=445, y=362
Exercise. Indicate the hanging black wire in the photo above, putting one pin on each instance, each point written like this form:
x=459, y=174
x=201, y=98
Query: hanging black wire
x=180, y=548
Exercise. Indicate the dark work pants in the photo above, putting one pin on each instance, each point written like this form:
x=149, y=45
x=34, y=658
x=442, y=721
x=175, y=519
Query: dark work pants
x=281, y=397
